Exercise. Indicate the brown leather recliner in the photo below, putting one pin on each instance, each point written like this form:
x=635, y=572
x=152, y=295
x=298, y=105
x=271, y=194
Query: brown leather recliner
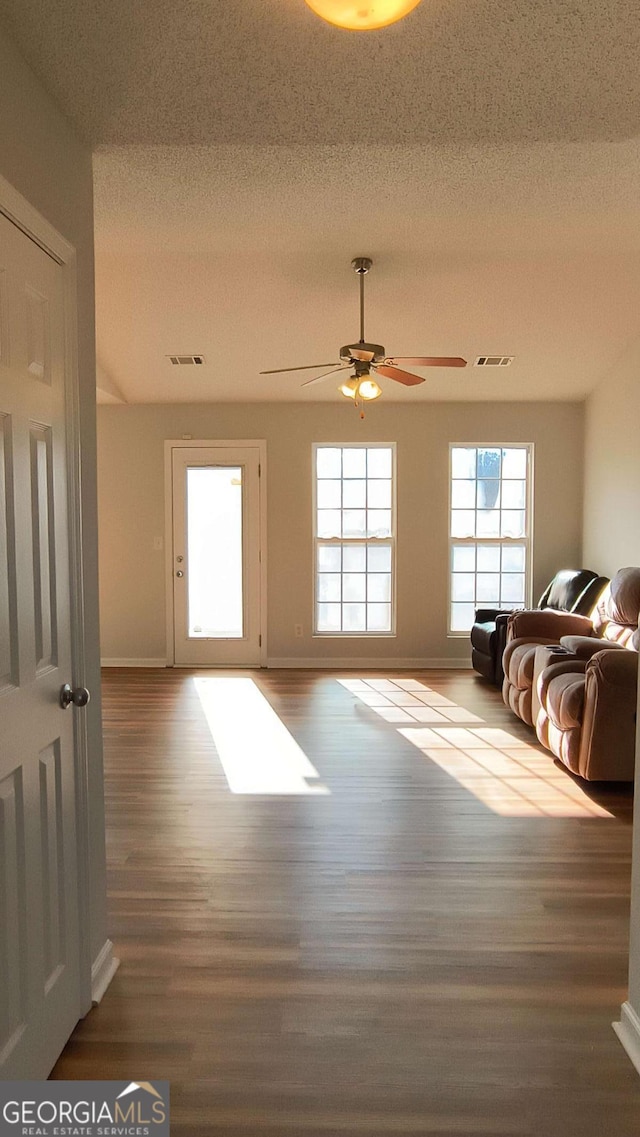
x=528, y=628
x=571, y=590
x=587, y=690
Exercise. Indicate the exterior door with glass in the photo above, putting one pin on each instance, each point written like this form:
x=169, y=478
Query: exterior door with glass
x=216, y=574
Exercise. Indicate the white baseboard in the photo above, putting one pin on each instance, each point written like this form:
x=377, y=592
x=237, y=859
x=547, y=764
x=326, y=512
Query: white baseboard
x=338, y=663
x=103, y=970
x=628, y=1031
x=369, y=663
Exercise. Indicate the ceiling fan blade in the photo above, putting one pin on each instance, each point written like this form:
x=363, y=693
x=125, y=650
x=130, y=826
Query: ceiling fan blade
x=319, y=378
x=360, y=355
x=428, y=360
x=305, y=367
x=392, y=372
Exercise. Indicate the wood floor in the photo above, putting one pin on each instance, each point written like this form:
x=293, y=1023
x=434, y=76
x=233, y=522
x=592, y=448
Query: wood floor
x=432, y=940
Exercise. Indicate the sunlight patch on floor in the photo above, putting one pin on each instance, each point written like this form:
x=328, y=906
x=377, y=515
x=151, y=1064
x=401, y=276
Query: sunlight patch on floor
x=256, y=751
x=509, y=775
x=407, y=700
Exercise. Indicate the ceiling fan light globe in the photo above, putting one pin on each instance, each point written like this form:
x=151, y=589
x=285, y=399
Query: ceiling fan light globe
x=362, y=15
x=349, y=388
x=369, y=389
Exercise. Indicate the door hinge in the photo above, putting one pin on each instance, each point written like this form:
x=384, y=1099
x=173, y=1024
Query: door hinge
x=259, y=470
x=259, y=641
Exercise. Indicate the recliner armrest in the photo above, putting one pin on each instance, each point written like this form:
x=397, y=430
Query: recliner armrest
x=617, y=668
x=484, y=615
x=584, y=647
x=548, y=624
x=502, y=620
x=548, y=654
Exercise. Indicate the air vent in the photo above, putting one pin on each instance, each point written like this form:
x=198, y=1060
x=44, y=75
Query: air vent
x=179, y=360
x=494, y=361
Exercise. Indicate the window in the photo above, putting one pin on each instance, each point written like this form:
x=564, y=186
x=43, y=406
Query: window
x=354, y=540
x=490, y=530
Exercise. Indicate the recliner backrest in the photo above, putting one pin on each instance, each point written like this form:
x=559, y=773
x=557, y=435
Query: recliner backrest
x=587, y=602
x=567, y=588
x=618, y=611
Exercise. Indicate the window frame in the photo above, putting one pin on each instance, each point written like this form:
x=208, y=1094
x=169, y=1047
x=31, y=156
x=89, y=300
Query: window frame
x=527, y=540
x=391, y=541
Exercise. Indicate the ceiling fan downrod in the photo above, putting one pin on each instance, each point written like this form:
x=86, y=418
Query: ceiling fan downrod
x=361, y=266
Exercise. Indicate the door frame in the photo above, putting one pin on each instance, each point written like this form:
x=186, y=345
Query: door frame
x=26, y=218
x=172, y=444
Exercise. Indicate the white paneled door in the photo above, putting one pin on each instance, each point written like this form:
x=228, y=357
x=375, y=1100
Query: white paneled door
x=39, y=934
x=216, y=559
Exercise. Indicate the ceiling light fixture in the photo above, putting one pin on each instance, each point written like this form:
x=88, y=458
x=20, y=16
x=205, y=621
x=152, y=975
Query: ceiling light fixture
x=355, y=388
x=362, y=15
x=360, y=388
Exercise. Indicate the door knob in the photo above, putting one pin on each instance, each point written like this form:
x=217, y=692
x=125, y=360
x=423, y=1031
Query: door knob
x=79, y=696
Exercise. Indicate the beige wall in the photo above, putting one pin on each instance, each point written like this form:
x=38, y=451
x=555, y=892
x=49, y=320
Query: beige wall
x=612, y=467
x=51, y=168
x=131, y=502
x=612, y=534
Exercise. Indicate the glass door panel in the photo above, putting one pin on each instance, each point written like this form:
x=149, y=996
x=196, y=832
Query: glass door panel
x=214, y=552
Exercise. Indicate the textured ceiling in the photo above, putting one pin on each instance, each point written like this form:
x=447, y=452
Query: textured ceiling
x=244, y=255
x=486, y=154
x=269, y=71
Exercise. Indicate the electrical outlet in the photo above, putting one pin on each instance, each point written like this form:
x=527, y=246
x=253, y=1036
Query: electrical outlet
x=298, y=630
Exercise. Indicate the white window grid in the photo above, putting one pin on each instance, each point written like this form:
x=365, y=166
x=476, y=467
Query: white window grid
x=349, y=542
x=501, y=542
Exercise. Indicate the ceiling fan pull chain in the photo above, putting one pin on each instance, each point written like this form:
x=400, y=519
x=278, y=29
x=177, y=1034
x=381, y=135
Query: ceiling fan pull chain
x=358, y=400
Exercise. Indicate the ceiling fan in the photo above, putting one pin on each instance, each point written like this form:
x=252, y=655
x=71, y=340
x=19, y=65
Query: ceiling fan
x=366, y=358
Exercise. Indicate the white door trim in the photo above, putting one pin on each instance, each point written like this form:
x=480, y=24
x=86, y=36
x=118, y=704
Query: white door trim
x=18, y=210
x=170, y=445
